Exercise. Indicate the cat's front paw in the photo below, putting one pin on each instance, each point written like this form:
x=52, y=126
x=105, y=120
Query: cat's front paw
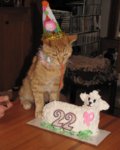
x=38, y=114
x=27, y=105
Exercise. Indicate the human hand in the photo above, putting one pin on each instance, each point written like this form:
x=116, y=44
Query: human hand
x=5, y=104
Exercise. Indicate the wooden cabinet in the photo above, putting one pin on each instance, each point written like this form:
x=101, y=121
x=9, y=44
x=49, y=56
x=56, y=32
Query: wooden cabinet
x=15, y=43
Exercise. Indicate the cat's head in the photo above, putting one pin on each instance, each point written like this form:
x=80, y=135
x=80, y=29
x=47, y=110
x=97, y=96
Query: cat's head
x=59, y=50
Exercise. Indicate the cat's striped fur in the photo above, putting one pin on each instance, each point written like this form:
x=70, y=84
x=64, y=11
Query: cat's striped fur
x=46, y=73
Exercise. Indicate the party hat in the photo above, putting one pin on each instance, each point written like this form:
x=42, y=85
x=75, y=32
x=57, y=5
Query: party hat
x=51, y=29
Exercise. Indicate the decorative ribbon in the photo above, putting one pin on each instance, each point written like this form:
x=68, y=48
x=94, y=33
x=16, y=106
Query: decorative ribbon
x=62, y=75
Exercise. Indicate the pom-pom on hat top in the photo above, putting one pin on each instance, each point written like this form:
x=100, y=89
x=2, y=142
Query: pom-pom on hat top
x=51, y=29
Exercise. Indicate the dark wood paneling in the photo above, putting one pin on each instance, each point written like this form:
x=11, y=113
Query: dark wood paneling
x=15, y=43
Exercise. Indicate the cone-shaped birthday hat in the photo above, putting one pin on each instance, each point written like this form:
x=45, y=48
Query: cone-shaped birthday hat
x=51, y=28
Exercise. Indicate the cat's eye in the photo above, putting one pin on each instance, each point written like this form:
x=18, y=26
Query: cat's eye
x=66, y=55
x=54, y=55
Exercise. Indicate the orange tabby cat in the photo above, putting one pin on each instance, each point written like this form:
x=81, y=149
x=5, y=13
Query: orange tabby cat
x=46, y=73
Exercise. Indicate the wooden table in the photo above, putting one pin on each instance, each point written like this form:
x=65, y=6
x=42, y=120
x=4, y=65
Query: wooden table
x=15, y=134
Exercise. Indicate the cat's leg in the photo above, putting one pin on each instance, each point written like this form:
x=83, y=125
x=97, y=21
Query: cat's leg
x=25, y=95
x=55, y=91
x=38, y=98
x=54, y=96
x=39, y=104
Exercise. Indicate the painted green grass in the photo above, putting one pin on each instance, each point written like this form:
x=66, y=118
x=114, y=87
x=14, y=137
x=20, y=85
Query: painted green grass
x=81, y=135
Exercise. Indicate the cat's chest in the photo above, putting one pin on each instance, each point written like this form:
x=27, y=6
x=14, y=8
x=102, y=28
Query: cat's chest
x=46, y=74
x=48, y=85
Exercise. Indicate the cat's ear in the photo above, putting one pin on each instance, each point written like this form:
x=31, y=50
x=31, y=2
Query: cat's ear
x=72, y=38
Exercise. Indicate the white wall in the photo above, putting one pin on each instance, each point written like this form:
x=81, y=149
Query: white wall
x=105, y=10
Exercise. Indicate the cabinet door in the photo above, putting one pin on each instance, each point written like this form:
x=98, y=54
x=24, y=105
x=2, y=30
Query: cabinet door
x=15, y=38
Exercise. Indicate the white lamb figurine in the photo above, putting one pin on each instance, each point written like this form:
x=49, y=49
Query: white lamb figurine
x=76, y=118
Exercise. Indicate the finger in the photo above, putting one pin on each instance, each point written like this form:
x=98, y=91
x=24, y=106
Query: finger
x=4, y=98
x=3, y=109
x=1, y=115
x=9, y=105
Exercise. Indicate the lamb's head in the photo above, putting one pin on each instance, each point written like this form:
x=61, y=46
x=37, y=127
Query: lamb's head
x=93, y=99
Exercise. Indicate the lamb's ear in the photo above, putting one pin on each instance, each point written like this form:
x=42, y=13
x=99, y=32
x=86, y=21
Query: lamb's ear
x=83, y=96
x=95, y=92
x=103, y=105
x=72, y=38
